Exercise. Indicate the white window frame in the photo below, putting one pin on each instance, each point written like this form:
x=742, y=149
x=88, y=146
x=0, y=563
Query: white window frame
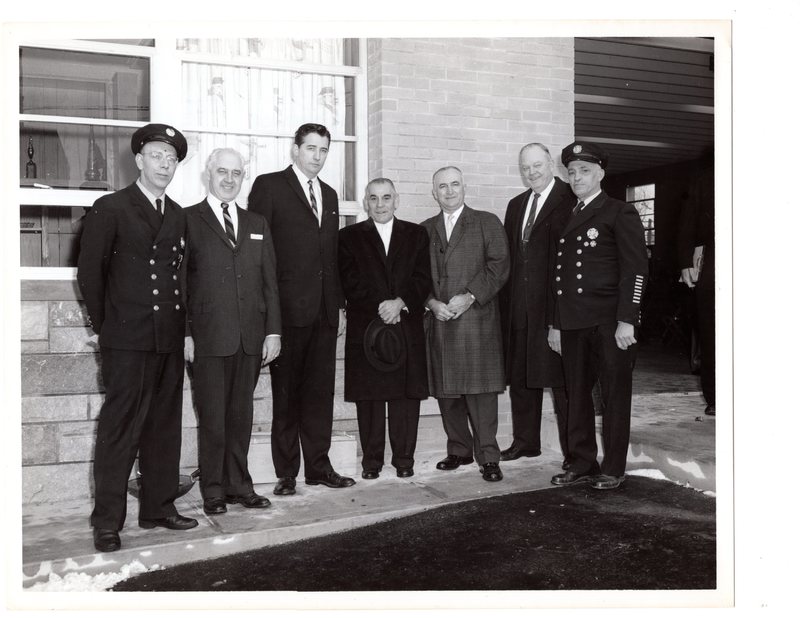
x=165, y=68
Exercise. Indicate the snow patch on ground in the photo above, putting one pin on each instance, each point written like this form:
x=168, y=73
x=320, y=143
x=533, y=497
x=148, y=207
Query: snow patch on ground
x=83, y=582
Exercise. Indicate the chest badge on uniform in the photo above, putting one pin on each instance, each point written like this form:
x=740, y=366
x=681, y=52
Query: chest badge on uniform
x=592, y=233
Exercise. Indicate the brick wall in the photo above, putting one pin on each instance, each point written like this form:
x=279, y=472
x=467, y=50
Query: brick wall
x=466, y=102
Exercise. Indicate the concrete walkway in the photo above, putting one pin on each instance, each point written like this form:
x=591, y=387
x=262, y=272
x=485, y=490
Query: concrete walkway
x=670, y=438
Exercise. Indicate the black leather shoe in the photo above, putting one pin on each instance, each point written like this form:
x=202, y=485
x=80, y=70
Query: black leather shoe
x=491, y=472
x=106, y=540
x=173, y=522
x=571, y=478
x=214, y=506
x=451, y=462
x=250, y=501
x=370, y=474
x=606, y=481
x=711, y=410
x=332, y=480
x=512, y=453
x=404, y=473
x=285, y=486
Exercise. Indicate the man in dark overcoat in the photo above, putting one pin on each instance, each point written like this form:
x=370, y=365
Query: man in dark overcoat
x=234, y=324
x=386, y=276
x=303, y=215
x=534, y=220
x=600, y=278
x=469, y=265
x=128, y=271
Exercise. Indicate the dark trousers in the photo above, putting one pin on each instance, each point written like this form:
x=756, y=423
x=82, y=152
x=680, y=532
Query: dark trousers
x=589, y=354
x=141, y=413
x=302, y=398
x=526, y=403
x=478, y=411
x=223, y=389
x=403, y=423
x=704, y=295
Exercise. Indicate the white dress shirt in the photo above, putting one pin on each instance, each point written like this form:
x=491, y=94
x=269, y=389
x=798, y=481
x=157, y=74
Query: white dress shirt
x=542, y=197
x=152, y=198
x=453, y=218
x=216, y=208
x=385, y=231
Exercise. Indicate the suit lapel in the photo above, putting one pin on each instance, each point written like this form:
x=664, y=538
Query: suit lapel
x=553, y=200
x=373, y=238
x=517, y=216
x=244, y=225
x=584, y=215
x=458, y=231
x=294, y=183
x=207, y=215
x=146, y=210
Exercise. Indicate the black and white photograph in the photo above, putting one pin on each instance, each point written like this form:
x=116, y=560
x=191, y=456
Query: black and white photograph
x=376, y=314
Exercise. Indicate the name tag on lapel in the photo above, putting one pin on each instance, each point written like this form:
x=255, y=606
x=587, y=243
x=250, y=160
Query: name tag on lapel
x=256, y=237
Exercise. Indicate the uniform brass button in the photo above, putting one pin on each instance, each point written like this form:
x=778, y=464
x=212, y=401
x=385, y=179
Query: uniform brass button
x=579, y=276
x=177, y=292
x=561, y=241
x=580, y=251
x=578, y=264
x=558, y=278
x=175, y=277
x=559, y=253
x=558, y=266
x=586, y=243
x=580, y=290
x=154, y=276
x=152, y=262
x=174, y=248
x=558, y=292
x=580, y=238
x=155, y=247
x=155, y=307
x=155, y=292
x=177, y=306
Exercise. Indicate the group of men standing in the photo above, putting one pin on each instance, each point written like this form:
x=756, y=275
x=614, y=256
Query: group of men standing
x=457, y=307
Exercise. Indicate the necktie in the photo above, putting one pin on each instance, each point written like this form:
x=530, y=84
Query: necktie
x=578, y=207
x=229, y=231
x=160, y=206
x=312, y=198
x=450, y=223
x=526, y=233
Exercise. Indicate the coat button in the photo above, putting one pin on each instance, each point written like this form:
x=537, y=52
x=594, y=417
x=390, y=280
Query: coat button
x=155, y=292
x=580, y=290
x=154, y=276
x=558, y=292
x=580, y=251
x=580, y=238
x=155, y=307
x=175, y=277
x=177, y=306
x=561, y=241
x=586, y=243
x=559, y=253
x=579, y=276
x=578, y=264
x=177, y=293
x=155, y=247
x=176, y=248
x=558, y=266
x=558, y=278
x=152, y=262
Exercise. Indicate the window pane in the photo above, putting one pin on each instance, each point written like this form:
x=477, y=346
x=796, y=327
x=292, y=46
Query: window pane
x=139, y=42
x=318, y=51
x=262, y=155
x=49, y=235
x=68, y=156
x=84, y=85
x=218, y=96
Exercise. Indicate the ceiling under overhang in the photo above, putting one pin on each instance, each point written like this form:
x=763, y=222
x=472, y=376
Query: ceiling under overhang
x=647, y=101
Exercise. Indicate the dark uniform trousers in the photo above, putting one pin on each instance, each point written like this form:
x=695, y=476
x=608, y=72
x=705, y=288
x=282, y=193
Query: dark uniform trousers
x=526, y=403
x=479, y=411
x=303, y=379
x=142, y=410
x=589, y=354
x=223, y=389
x=403, y=423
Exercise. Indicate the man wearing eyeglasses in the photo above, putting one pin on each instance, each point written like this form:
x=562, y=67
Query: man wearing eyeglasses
x=128, y=272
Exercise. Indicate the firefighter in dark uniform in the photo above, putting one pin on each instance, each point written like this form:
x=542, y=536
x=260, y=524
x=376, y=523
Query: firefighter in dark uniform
x=128, y=272
x=599, y=281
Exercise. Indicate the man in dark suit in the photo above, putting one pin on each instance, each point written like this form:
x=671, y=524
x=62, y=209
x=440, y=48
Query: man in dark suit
x=696, y=259
x=131, y=251
x=534, y=220
x=386, y=276
x=600, y=277
x=303, y=215
x=234, y=323
x=469, y=266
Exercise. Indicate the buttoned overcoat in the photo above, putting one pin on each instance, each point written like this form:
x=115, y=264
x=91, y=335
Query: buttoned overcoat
x=128, y=272
x=369, y=276
x=465, y=355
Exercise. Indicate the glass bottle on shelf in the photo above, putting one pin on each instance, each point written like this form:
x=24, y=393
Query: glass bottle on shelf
x=30, y=166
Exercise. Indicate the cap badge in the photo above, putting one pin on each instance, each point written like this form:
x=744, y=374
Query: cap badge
x=592, y=233
x=577, y=149
x=170, y=131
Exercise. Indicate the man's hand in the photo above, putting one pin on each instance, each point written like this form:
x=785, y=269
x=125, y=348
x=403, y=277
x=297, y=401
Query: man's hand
x=270, y=350
x=460, y=303
x=689, y=276
x=554, y=339
x=389, y=310
x=624, y=335
x=440, y=310
x=342, y=323
x=188, y=349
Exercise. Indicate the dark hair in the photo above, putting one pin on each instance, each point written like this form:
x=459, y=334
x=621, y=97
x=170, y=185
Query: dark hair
x=319, y=129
